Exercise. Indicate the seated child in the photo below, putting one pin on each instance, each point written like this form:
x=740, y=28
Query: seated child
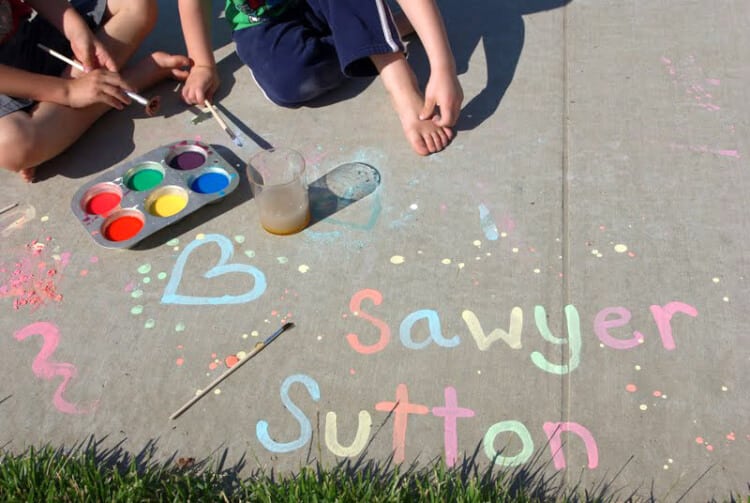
x=46, y=106
x=298, y=50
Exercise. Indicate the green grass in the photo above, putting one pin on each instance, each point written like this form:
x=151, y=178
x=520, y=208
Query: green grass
x=87, y=473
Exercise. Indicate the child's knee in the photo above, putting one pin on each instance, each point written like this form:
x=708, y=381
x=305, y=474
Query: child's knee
x=141, y=14
x=16, y=143
x=293, y=90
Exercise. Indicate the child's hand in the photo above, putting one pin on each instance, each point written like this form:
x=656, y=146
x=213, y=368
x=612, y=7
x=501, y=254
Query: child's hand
x=444, y=91
x=88, y=49
x=200, y=85
x=97, y=86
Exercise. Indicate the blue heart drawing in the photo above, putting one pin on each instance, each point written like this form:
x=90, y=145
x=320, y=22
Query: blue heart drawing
x=222, y=267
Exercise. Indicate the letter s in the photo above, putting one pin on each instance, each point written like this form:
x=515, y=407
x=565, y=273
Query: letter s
x=261, y=429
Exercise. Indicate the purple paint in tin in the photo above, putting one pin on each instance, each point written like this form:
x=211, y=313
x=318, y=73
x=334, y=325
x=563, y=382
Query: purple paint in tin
x=187, y=160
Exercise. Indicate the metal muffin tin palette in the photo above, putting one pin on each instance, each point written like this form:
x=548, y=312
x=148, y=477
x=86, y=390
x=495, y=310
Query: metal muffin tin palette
x=134, y=200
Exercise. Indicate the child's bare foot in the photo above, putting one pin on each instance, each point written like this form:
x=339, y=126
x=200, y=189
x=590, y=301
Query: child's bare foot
x=27, y=174
x=425, y=136
x=155, y=68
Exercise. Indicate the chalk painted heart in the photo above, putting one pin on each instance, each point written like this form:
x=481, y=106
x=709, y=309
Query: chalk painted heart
x=221, y=268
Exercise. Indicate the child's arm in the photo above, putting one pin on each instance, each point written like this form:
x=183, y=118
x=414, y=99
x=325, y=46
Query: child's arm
x=86, y=47
x=97, y=86
x=203, y=80
x=443, y=89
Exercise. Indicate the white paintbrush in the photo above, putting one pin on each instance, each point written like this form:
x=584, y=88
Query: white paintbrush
x=258, y=348
x=223, y=124
x=152, y=105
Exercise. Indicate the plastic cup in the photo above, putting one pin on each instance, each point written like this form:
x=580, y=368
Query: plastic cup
x=279, y=185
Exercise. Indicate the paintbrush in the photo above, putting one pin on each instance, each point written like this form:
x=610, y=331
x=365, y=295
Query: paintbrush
x=152, y=105
x=258, y=348
x=223, y=124
x=8, y=208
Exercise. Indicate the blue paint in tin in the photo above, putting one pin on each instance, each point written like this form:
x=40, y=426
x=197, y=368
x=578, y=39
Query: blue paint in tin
x=210, y=182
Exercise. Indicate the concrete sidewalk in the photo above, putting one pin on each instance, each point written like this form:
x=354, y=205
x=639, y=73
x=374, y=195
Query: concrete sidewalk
x=567, y=280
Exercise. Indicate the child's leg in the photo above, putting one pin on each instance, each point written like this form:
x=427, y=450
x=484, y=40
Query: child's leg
x=28, y=139
x=367, y=39
x=292, y=57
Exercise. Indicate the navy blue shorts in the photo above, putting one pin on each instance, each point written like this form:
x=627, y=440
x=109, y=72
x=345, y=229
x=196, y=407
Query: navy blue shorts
x=314, y=46
x=22, y=52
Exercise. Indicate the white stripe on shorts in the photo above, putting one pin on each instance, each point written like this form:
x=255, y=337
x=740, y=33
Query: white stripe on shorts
x=384, y=13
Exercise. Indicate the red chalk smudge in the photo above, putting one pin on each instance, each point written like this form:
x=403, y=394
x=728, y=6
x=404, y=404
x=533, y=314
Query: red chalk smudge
x=231, y=361
x=180, y=361
x=30, y=280
x=631, y=388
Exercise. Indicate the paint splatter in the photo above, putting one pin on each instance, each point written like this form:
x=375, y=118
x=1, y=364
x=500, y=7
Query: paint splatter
x=621, y=248
x=303, y=268
x=397, y=260
x=488, y=225
x=30, y=280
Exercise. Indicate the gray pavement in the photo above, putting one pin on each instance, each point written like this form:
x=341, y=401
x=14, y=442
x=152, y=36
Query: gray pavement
x=565, y=284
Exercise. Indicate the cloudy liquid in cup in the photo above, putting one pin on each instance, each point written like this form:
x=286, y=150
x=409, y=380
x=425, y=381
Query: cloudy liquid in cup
x=284, y=210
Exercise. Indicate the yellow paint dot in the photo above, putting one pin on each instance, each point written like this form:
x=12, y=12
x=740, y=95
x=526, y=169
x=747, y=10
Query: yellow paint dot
x=537, y=271
x=303, y=268
x=241, y=355
x=477, y=243
x=515, y=250
x=445, y=261
x=198, y=392
x=460, y=265
x=621, y=248
x=397, y=259
x=637, y=367
x=724, y=388
x=245, y=336
x=716, y=280
x=44, y=218
x=725, y=299
x=503, y=234
x=643, y=406
x=200, y=235
x=217, y=391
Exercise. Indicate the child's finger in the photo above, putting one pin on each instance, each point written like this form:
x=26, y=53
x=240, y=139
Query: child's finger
x=428, y=109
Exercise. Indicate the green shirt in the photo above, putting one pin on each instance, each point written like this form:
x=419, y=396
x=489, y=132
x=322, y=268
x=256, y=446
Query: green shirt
x=245, y=13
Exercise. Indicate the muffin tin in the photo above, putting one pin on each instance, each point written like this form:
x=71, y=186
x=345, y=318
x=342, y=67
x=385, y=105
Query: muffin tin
x=133, y=200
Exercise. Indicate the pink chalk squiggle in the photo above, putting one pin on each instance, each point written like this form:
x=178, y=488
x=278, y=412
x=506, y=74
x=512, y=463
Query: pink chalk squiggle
x=47, y=370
